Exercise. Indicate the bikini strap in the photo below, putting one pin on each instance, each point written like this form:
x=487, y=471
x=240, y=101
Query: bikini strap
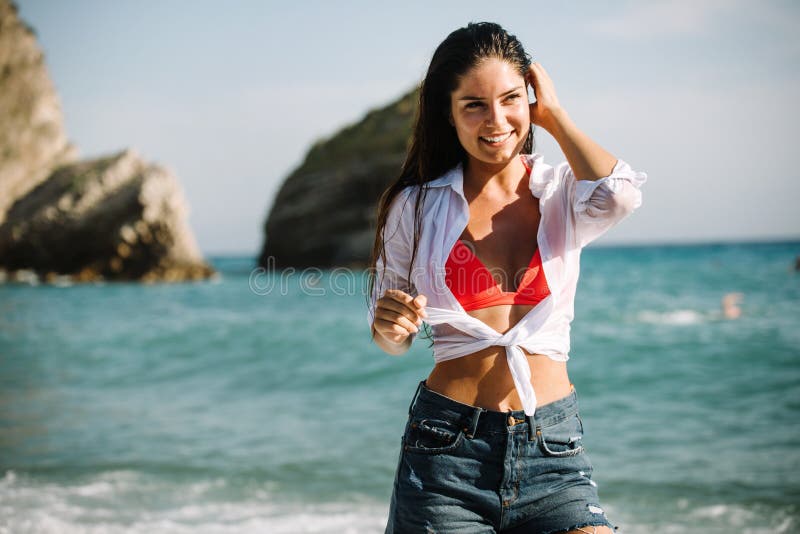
x=525, y=162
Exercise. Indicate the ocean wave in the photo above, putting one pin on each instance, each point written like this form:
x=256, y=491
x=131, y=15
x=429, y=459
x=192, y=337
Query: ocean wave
x=130, y=502
x=677, y=317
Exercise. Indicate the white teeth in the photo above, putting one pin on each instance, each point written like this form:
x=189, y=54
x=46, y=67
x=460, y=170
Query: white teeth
x=497, y=139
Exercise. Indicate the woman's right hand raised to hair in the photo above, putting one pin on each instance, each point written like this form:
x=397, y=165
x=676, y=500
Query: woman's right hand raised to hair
x=398, y=315
x=546, y=105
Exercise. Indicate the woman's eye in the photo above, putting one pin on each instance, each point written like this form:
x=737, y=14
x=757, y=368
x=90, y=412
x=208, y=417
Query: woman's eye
x=514, y=96
x=474, y=105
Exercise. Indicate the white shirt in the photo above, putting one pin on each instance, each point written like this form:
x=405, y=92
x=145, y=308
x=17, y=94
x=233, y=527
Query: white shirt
x=572, y=214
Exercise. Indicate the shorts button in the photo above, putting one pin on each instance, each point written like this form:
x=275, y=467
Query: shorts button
x=511, y=420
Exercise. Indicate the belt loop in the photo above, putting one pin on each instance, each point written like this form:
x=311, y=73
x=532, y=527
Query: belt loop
x=472, y=428
x=532, y=428
x=414, y=398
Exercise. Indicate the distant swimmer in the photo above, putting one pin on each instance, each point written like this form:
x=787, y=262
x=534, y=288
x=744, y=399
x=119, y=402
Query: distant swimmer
x=730, y=305
x=797, y=263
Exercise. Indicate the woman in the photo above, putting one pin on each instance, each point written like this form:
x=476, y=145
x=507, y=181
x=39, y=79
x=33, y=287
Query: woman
x=481, y=239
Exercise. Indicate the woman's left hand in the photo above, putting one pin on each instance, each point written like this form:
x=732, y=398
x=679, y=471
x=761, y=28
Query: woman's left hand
x=543, y=111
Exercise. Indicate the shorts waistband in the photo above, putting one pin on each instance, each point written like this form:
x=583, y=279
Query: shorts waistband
x=475, y=417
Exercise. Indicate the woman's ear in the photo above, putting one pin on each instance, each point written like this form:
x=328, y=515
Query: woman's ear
x=450, y=118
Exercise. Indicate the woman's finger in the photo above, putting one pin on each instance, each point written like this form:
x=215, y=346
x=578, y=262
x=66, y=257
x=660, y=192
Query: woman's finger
x=420, y=301
x=545, y=93
x=397, y=313
x=395, y=326
x=403, y=303
x=530, y=77
x=390, y=331
x=400, y=304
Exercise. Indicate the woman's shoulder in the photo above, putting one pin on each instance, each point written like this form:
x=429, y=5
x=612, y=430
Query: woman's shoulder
x=408, y=193
x=402, y=205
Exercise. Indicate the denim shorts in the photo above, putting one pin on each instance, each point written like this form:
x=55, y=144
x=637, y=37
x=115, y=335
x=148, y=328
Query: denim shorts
x=466, y=470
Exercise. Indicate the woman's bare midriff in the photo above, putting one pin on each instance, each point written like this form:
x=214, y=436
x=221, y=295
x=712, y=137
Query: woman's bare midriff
x=483, y=379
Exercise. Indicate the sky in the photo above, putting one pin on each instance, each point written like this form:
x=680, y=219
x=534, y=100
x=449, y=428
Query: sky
x=700, y=95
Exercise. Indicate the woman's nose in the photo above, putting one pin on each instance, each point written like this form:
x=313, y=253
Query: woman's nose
x=494, y=115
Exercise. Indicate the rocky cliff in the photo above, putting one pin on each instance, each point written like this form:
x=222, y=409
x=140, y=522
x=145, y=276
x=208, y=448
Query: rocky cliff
x=115, y=217
x=323, y=215
x=32, y=137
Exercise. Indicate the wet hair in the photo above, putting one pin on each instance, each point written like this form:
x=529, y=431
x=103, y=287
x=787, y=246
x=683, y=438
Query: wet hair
x=434, y=147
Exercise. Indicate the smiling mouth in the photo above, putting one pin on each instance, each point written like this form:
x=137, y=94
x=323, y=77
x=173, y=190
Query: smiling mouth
x=496, y=140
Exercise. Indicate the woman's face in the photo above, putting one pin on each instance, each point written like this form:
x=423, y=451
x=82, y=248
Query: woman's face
x=489, y=110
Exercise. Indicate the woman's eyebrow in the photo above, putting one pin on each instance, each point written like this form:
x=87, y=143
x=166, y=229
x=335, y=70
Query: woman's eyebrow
x=482, y=98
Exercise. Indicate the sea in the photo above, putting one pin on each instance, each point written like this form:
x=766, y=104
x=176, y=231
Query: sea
x=256, y=401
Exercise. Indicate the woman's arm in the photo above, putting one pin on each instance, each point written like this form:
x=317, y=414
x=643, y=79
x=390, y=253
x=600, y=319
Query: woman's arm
x=600, y=189
x=588, y=160
x=394, y=314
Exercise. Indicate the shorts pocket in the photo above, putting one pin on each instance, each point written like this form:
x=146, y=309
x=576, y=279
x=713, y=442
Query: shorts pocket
x=430, y=435
x=564, y=438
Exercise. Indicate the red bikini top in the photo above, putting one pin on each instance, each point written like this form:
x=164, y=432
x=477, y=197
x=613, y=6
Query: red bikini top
x=474, y=287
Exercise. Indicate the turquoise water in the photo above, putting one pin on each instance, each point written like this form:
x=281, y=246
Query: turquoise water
x=233, y=406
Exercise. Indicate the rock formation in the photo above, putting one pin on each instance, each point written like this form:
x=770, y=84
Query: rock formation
x=110, y=218
x=323, y=215
x=114, y=217
x=32, y=138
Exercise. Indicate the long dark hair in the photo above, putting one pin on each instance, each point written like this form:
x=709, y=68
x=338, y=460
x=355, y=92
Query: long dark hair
x=434, y=147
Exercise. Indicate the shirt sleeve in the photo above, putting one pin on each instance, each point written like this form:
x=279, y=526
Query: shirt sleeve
x=398, y=234
x=597, y=205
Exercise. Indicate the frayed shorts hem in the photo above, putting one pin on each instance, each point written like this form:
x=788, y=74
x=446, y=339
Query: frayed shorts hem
x=581, y=525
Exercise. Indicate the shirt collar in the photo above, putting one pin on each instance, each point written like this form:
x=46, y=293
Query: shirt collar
x=539, y=180
x=453, y=178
